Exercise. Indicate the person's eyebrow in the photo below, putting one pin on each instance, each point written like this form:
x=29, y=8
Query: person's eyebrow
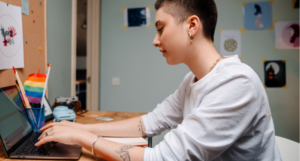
x=157, y=23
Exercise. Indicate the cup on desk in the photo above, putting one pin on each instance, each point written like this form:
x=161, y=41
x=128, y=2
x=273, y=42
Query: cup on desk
x=39, y=117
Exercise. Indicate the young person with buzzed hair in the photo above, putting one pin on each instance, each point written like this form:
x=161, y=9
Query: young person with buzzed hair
x=219, y=112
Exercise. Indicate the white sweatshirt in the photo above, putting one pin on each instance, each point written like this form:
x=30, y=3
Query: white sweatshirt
x=223, y=116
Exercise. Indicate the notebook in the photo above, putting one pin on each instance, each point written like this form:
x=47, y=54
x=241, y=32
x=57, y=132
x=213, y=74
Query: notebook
x=18, y=137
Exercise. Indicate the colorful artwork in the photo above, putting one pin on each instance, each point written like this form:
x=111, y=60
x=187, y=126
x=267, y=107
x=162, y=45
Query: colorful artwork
x=11, y=37
x=287, y=35
x=275, y=74
x=230, y=42
x=257, y=16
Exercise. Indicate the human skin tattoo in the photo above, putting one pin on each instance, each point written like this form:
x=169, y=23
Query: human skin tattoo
x=124, y=154
x=141, y=128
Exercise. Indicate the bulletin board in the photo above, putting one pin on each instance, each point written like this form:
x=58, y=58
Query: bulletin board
x=35, y=50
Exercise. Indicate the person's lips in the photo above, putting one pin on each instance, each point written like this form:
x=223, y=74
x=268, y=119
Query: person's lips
x=161, y=50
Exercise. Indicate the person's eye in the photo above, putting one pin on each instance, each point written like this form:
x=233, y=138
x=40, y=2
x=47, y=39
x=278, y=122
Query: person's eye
x=160, y=30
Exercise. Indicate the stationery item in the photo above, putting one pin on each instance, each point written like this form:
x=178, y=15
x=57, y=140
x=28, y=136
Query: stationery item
x=31, y=115
x=22, y=89
x=34, y=87
x=39, y=114
x=45, y=86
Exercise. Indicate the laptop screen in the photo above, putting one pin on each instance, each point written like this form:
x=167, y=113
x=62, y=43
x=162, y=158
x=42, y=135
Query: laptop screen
x=14, y=124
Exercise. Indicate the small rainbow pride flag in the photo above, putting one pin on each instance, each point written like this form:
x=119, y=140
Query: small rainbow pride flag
x=34, y=87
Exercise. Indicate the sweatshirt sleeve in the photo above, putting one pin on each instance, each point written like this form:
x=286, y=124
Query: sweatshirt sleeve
x=224, y=114
x=168, y=114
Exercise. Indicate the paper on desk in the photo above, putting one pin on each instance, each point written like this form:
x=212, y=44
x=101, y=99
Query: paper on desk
x=11, y=37
x=131, y=141
x=104, y=118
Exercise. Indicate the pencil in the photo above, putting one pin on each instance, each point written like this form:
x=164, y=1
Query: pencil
x=22, y=89
x=27, y=104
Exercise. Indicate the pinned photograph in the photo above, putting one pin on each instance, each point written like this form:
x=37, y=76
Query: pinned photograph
x=136, y=17
x=275, y=75
x=11, y=37
x=230, y=43
x=257, y=16
x=287, y=35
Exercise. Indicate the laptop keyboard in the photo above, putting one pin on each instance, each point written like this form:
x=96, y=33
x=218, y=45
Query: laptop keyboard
x=29, y=148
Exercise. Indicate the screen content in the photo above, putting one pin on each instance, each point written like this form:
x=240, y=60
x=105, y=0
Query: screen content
x=14, y=123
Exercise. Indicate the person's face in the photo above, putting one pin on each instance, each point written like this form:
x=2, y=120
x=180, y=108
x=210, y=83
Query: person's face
x=171, y=37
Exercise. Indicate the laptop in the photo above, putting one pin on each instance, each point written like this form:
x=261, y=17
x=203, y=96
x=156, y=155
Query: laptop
x=18, y=137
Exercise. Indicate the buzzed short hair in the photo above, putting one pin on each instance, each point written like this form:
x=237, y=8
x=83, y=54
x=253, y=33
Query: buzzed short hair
x=206, y=10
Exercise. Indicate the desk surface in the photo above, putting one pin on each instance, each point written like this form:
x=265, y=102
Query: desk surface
x=85, y=118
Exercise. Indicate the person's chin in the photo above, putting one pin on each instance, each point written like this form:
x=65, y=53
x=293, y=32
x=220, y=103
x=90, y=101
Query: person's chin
x=170, y=62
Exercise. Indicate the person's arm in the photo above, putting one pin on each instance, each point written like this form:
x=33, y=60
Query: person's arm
x=133, y=127
x=104, y=148
x=224, y=114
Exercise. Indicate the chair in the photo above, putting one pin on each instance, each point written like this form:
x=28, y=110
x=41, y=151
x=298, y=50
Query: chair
x=289, y=149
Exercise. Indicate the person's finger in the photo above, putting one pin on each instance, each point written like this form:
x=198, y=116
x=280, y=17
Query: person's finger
x=45, y=140
x=45, y=133
x=47, y=126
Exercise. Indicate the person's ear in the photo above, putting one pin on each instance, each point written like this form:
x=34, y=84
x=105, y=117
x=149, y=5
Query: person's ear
x=195, y=25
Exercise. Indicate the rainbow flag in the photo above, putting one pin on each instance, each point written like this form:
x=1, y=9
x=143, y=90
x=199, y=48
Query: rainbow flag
x=34, y=87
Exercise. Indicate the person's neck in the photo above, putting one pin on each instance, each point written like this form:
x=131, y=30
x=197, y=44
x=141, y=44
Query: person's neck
x=202, y=57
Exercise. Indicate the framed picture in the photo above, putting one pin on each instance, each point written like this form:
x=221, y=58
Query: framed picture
x=48, y=110
x=275, y=73
x=287, y=35
x=258, y=15
x=136, y=17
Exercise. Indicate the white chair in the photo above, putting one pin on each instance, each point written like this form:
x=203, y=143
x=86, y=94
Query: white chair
x=289, y=149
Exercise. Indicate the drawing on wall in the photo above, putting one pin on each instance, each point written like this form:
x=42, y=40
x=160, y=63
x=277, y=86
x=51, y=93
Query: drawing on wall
x=287, y=35
x=275, y=74
x=11, y=37
x=230, y=42
x=295, y=3
x=257, y=15
x=136, y=17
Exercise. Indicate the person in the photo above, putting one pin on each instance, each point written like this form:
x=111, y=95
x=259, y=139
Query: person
x=219, y=112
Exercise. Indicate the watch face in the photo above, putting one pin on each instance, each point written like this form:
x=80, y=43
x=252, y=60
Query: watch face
x=275, y=75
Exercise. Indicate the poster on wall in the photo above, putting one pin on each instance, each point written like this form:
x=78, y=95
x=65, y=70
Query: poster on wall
x=257, y=16
x=287, y=35
x=275, y=74
x=230, y=43
x=11, y=37
x=136, y=17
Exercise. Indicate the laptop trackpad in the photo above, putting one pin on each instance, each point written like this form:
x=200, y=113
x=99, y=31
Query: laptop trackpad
x=63, y=150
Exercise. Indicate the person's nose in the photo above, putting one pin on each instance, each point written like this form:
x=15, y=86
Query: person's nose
x=156, y=42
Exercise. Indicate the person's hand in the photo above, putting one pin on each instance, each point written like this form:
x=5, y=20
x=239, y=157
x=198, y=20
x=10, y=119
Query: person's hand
x=66, y=123
x=62, y=134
